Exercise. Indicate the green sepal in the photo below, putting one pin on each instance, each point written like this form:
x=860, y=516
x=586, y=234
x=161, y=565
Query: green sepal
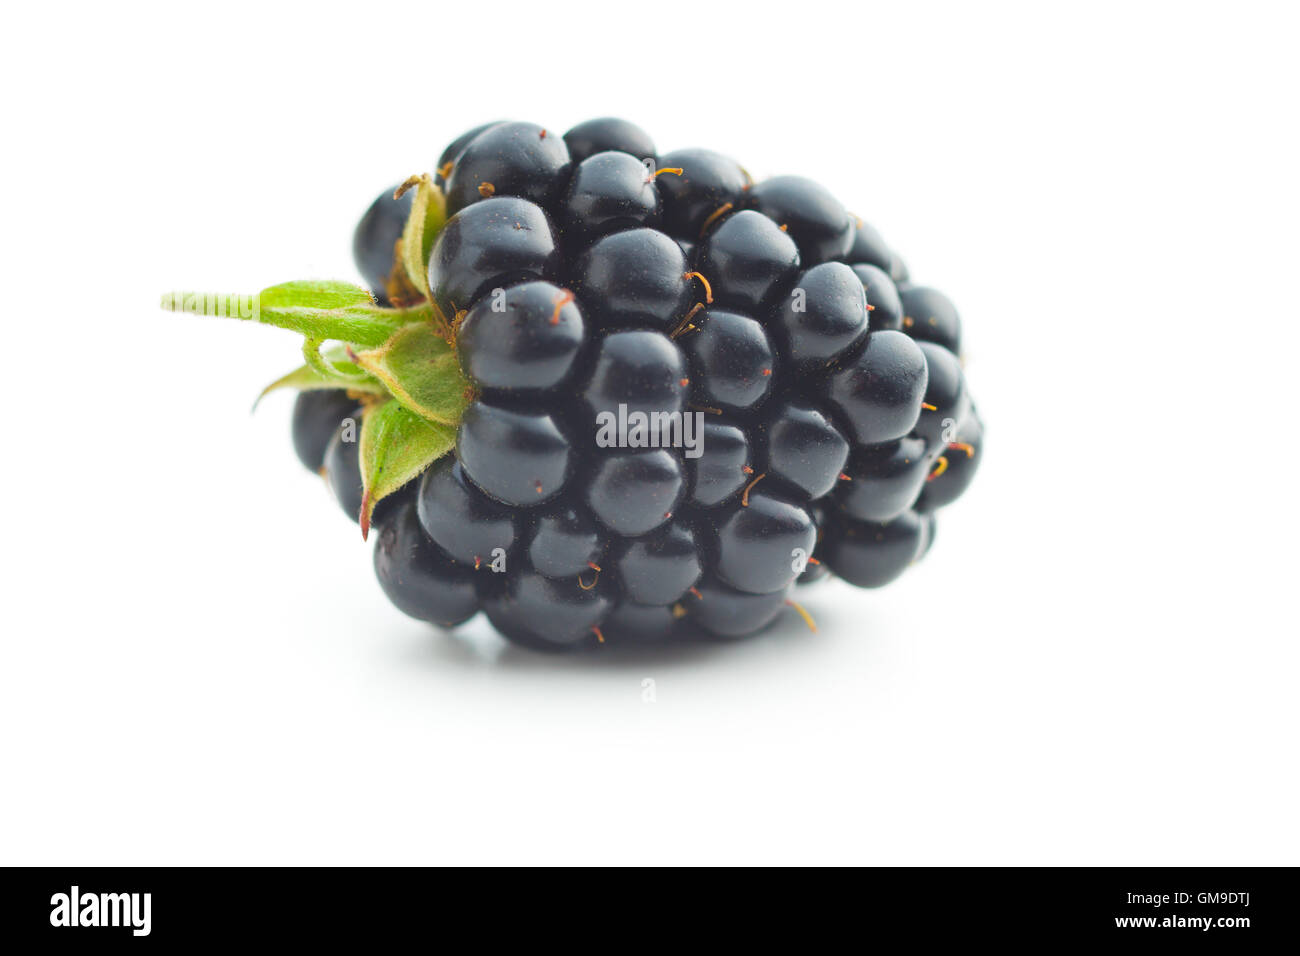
x=421, y=371
x=305, y=378
x=318, y=310
x=397, y=445
x=428, y=216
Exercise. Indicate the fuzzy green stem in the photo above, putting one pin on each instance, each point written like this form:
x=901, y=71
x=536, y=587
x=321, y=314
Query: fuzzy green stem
x=361, y=323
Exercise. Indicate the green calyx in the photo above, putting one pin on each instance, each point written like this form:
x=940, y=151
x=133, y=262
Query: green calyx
x=399, y=361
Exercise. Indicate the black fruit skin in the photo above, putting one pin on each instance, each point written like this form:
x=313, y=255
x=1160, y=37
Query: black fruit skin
x=749, y=261
x=418, y=577
x=707, y=182
x=804, y=452
x=731, y=361
x=316, y=417
x=552, y=614
x=375, y=236
x=634, y=278
x=342, y=469
x=816, y=569
x=880, y=392
x=492, y=244
x=521, y=458
x=758, y=544
x=609, y=191
x=518, y=342
x=342, y=466
x=723, y=468
x=885, y=305
x=633, y=492
x=566, y=541
x=641, y=369
x=608, y=133
x=868, y=247
x=726, y=612
x=930, y=316
x=660, y=567
x=885, y=480
x=461, y=519
x=442, y=168
x=870, y=555
x=945, y=394
x=585, y=272
x=509, y=159
x=820, y=226
x=963, y=460
x=823, y=317
x=630, y=622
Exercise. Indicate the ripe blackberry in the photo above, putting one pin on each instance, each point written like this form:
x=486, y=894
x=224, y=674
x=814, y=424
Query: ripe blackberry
x=621, y=396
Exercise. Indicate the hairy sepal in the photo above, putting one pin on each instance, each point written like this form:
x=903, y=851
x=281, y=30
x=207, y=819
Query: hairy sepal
x=397, y=445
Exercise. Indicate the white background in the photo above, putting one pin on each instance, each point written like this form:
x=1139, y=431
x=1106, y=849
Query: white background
x=1097, y=664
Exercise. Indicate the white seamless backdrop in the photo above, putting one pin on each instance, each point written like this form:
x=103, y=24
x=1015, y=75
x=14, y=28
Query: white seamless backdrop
x=1095, y=665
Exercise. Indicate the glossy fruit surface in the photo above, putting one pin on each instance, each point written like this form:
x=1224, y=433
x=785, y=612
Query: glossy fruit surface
x=726, y=612
x=708, y=181
x=949, y=478
x=804, y=452
x=881, y=391
x=492, y=244
x=566, y=541
x=884, y=480
x=723, y=468
x=759, y=544
x=545, y=613
x=817, y=222
x=634, y=278
x=419, y=578
x=519, y=457
x=869, y=554
x=749, y=261
x=316, y=417
x=883, y=301
x=658, y=568
x=731, y=360
x=930, y=316
x=461, y=519
x=608, y=133
x=375, y=237
x=635, y=492
x=823, y=317
x=527, y=339
x=447, y=160
x=509, y=159
x=639, y=370
x=609, y=191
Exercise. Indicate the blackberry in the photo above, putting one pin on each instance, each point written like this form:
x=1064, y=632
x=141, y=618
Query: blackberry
x=626, y=396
